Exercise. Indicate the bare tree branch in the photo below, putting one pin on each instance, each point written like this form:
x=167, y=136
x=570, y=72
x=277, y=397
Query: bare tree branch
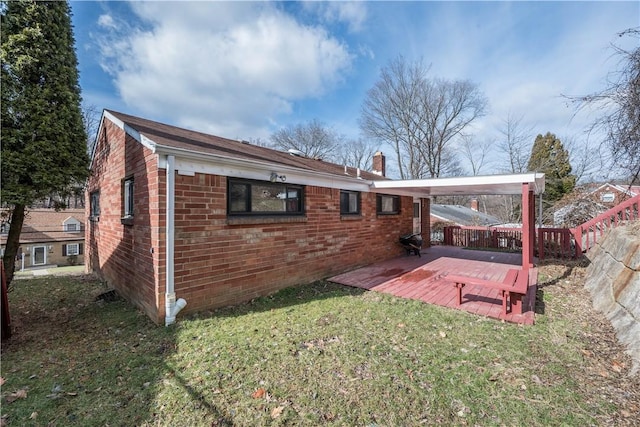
x=419, y=117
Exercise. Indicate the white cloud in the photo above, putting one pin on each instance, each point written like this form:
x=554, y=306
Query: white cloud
x=226, y=68
x=351, y=13
x=106, y=21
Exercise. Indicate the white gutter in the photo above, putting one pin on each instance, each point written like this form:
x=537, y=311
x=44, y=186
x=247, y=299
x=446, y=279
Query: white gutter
x=172, y=307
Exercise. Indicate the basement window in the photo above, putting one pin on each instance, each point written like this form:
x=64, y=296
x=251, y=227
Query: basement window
x=247, y=197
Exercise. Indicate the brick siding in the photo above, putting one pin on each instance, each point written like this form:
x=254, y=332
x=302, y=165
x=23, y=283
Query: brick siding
x=220, y=261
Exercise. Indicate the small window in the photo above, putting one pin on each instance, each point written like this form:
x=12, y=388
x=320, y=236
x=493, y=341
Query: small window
x=264, y=198
x=608, y=197
x=349, y=202
x=72, y=249
x=127, y=198
x=71, y=227
x=94, y=204
x=416, y=210
x=387, y=205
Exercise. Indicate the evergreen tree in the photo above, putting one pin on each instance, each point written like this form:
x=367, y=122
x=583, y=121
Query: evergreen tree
x=43, y=139
x=549, y=156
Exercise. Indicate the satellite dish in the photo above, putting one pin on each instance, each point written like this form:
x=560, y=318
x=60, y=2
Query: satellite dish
x=296, y=153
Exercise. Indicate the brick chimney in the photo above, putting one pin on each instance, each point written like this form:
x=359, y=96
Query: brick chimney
x=474, y=205
x=379, y=164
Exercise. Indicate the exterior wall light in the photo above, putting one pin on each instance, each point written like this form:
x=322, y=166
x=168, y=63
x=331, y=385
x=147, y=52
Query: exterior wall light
x=275, y=177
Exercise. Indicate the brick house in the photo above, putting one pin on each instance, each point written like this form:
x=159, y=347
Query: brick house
x=611, y=195
x=49, y=238
x=177, y=213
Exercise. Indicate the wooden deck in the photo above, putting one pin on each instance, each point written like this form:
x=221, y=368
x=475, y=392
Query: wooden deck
x=422, y=278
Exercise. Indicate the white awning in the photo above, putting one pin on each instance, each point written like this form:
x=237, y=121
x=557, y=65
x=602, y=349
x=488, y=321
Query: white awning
x=468, y=185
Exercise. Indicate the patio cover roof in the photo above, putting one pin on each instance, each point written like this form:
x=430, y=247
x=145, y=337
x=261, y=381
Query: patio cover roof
x=468, y=185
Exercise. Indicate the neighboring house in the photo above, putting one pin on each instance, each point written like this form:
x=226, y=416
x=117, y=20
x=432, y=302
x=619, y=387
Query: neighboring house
x=448, y=215
x=589, y=202
x=49, y=238
x=611, y=195
x=218, y=222
x=461, y=215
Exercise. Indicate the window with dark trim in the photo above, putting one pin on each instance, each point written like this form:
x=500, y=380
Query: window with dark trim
x=264, y=198
x=387, y=205
x=72, y=249
x=127, y=197
x=94, y=204
x=349, y=202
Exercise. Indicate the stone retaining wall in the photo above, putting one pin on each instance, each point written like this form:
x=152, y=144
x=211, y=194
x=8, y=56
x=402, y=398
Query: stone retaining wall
x=613, y=278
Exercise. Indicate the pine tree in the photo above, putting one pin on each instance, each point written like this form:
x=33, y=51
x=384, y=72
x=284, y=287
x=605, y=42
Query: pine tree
x=549, y=156
x=43, y=139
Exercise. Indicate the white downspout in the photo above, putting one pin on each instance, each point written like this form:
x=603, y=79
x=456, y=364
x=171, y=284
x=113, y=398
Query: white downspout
x=172, y=307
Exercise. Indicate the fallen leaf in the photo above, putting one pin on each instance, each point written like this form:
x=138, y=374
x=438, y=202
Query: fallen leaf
x=400, y=325
x=276, y=412
x=33, y=416
x=71, y=394
x=258, y=393
x=1, y=381
x=20, y=394
x=617, y=366
x=536, y=379
x=443, y=334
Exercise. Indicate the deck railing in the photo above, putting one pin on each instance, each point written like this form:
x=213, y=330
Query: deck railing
x=550, y=242
x=587, y=234
x=483, y=237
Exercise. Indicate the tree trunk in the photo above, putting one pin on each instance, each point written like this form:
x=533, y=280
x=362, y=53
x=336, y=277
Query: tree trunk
x=13, y=241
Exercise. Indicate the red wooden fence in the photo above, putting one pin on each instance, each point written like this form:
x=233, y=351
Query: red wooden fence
x=551, y=242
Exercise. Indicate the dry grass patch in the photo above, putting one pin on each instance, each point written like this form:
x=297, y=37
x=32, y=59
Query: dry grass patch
x=315, y=354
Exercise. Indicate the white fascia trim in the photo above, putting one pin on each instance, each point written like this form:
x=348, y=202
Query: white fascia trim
x=189, y=162
x=147, y=142
x=472, y=181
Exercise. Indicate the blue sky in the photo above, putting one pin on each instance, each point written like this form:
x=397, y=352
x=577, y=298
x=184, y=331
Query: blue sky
x=242, y=69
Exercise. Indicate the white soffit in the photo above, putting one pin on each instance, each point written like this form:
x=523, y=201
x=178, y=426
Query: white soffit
x=468, y=185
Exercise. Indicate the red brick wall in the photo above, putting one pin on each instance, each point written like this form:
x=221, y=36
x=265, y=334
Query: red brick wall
x=219, y=264
x=122, y=254
x=219, y=261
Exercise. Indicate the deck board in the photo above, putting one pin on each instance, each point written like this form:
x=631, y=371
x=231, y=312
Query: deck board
x=423, y=279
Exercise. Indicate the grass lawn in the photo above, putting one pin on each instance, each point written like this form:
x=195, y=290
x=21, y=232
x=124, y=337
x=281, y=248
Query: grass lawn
x=319, y=354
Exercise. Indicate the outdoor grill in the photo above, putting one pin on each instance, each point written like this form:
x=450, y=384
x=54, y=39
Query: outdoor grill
x=412, y=242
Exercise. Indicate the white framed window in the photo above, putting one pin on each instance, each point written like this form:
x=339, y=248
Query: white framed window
x=607, y=197
x=73, y=249
x=71, y=227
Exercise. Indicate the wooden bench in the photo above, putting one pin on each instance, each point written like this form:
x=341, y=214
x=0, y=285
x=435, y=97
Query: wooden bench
x=513, y=288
